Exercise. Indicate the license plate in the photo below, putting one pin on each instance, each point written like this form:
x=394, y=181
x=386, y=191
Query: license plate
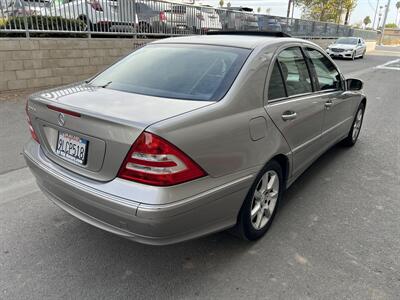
x=71, y=148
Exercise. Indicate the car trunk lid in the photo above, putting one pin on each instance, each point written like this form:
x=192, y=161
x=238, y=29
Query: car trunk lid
x=108, y=120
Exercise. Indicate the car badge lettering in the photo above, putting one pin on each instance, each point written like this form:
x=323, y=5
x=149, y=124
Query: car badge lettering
x=61, y=119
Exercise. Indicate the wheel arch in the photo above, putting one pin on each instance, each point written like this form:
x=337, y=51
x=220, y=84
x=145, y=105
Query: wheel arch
x=364, y=101
x=283, y=161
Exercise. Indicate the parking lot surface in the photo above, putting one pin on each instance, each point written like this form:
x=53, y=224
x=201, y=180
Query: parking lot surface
x=336, y=235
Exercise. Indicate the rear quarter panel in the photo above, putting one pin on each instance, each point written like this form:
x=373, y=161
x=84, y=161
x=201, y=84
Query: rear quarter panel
x=218, y=137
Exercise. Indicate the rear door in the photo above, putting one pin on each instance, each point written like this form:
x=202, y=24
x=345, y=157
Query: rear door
x=294, y=108
x=330, y=86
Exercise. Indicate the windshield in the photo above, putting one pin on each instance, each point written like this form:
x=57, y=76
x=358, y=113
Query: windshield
x=176, y=71
x=347, y=41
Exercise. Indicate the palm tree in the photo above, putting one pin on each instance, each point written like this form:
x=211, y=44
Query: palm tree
x=221, y=3
x=288, y=8
x=366, y=21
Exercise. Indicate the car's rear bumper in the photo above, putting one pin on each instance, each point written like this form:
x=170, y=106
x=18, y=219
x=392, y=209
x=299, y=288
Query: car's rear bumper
x=109, y=207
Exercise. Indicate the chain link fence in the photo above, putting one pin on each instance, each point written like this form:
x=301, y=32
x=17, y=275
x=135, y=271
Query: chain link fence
x=150, y=18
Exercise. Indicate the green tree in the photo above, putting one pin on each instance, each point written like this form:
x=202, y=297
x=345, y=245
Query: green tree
x=391, y=25
x=221, y=3
x=367, y=20
x=348, y=5
x=398, y=11
x=327, y=10
x=258, y=9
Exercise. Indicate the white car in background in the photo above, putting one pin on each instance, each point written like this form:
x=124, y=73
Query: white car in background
x=187, y=18
x=206, y=19
x=19, y=8
x=347, y=47
x=99, y=15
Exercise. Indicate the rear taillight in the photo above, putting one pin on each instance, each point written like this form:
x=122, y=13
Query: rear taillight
x=163, y=17
x=154, y=161
x=96, y=5
x=28, y=119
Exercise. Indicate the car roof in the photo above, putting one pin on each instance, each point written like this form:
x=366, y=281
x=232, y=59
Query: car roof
x=239, y=41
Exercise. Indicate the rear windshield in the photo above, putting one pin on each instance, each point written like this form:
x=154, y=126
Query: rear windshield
x=190, y=72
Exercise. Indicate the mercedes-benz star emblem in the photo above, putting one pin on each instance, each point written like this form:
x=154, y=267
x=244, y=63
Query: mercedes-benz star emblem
x=61, y=119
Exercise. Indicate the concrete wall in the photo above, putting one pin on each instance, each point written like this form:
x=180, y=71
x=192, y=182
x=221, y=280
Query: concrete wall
x=392, y=36
x=371, y=45
x=43, y=62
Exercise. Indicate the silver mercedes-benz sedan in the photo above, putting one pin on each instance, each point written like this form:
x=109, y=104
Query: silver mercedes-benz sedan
x=191, y=135
x=347, y=47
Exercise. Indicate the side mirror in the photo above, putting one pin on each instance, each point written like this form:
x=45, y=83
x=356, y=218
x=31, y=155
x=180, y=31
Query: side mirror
x=354, y=84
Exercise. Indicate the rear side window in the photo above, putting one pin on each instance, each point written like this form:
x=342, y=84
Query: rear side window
x=327, y=75
x=276, y=88
x=190, y=72
x=295, y=72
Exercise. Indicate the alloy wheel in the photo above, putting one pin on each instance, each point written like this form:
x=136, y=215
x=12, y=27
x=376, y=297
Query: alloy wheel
x=264, y=199
x=357, y=124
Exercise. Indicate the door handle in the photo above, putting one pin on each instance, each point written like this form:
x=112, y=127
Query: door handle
x=289, y=115
x=328, y=104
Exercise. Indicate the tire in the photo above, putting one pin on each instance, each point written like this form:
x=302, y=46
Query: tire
x=252, y=226
x=352, y=137
x=144, y=29
x=84, y=20
x=353, y=57
x=362, y=56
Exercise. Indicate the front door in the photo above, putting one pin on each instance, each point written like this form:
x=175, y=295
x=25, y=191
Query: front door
x=330, y=86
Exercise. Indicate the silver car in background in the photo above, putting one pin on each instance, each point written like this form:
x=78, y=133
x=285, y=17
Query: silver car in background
x=348, y=47
x=98, y=15
x=19, y=8
x=161, y=155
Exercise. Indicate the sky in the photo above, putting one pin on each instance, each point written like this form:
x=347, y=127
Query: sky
x=279, y=7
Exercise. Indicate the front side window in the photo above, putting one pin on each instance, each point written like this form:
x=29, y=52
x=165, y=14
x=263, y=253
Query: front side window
x=189, y=72
x=294, y=71
x=327, y=75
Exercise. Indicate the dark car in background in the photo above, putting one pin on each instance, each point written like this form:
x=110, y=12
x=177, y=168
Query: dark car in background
x=238, y=18
x=147, y=12
x=269, y=23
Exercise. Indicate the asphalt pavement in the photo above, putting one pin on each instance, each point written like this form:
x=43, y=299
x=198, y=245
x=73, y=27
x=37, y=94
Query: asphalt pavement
x=336, y=235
